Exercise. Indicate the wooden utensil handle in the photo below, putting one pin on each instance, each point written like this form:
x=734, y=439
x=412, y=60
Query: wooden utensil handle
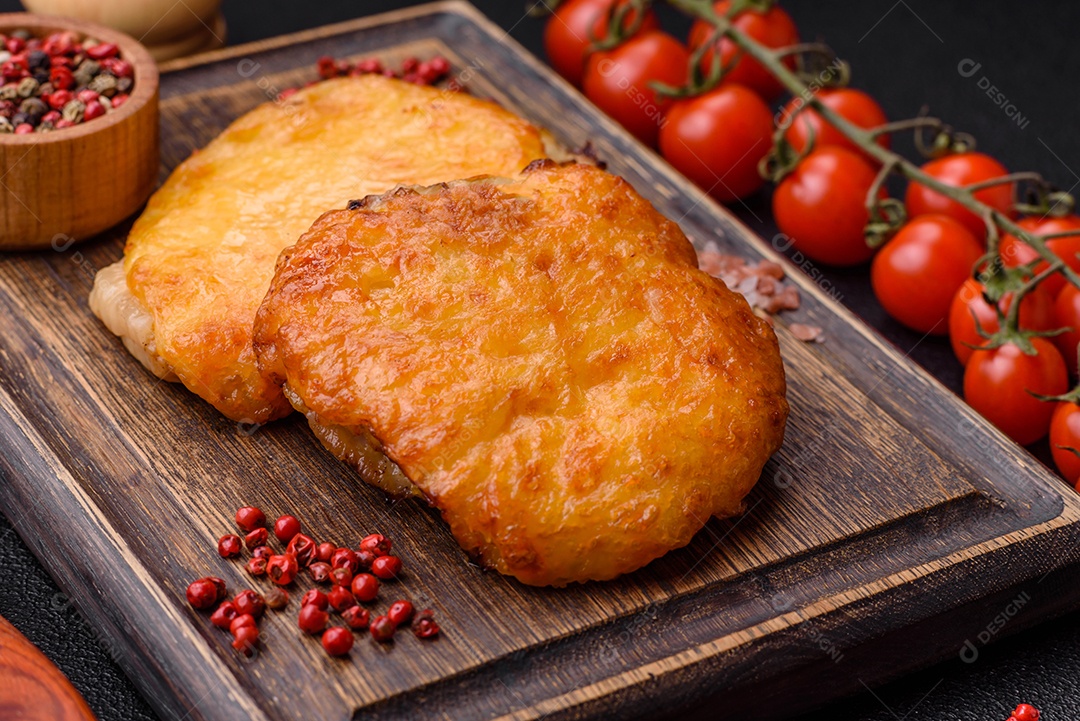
x=34, y=689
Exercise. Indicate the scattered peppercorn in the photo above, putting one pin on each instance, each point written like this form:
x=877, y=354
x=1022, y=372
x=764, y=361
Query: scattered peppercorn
x=277, y=598
x=424, y=625
x=243, y=619
x=413, y=70
x=364, y=559
x=282, y=569
x=341, y=598
x=376, y=543
x=303, y=547
x=219, y=584
x=256, y=538
x=202, y=594
x=312, y=619
x=286, y=527
x=1026, y=712
x=345, y=558
x=341, y=577
x=315, y=597
x=345, y=568
x=356, y=618
x=249, y=518
x=401, y=612
x=250, y=602
x=365, y=587
x=320, y=572
x=223, y=616
x=382, y=629
x=325, y=552
x=228, y=546
x=386, y=567
x=245, y=640
x=36, y=69
x=337, y=641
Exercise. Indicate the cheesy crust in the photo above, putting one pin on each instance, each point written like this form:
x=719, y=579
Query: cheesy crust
x=541, y=358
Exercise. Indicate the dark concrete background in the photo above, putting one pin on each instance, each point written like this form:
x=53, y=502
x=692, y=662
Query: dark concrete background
x=906, y=53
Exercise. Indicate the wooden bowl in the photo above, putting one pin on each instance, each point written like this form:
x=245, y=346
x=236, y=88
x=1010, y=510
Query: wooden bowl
x=169, y=29
x=68, y=185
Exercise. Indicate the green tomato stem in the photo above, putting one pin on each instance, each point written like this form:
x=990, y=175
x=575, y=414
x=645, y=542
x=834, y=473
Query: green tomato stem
x=771, y=60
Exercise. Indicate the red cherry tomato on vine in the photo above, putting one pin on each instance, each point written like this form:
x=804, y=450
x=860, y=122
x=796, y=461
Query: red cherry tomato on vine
x=997, y=383
x=572, y=28
x=957, y=170
x=773, y=28
x=1067, y=315
x=851, y=104
x=917, y=273
x=969, y=305
x=1065, y=435
x=618, y=81
x=821, y=206
x=718, y=139
x=1015, y=252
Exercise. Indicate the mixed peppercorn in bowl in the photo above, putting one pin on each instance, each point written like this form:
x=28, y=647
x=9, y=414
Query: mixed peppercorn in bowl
x=59, y=80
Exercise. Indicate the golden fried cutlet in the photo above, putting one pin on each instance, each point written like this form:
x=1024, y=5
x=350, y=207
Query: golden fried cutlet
x=540, y=357
x=200, y=259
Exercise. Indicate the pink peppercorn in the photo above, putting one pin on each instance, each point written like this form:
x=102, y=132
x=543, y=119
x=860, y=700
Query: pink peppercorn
x=102, y=51
x=93, y=110
x=59, y=98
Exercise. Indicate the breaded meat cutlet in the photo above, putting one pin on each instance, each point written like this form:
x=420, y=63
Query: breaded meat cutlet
x=200, y=258
x=539, y=357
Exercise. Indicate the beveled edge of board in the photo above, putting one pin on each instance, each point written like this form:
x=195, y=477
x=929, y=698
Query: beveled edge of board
x=224, y=687
x=458, y=7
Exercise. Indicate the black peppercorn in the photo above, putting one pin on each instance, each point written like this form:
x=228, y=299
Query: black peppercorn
x=37, y=59
x=33, y=109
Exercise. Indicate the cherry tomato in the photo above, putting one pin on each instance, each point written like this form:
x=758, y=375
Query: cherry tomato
x=853, y=105
x=718, y=139
x=572, y=28
x=773, y=28
x=997, y=382
x=969, y=305
x=1015, y=252
x=1065, y=434
x=958, y=170
x=821, y=206
x=1067, y=315
x=917, y=273
x=618, y=81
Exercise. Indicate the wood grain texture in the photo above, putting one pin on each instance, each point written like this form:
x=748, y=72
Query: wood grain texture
x=68, y=185
x=34, y=689
x=892, y=511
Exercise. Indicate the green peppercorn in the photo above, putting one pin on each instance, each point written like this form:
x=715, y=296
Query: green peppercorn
x=27, y=87
x=86, y=71
x=103, y=84
x=73, y=111
x=34, y=107
x=6, y=126
x=124, y=85
x=9, y=92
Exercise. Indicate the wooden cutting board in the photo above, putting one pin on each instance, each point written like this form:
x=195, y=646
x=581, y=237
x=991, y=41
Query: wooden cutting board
x=894, y=528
